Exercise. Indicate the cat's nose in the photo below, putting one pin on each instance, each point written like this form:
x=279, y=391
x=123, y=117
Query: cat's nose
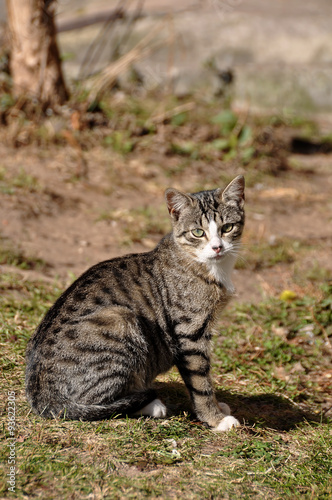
x=217, y=249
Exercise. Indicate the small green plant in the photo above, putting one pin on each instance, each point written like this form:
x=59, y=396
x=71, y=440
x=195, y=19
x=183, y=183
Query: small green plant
x=235, y=138
x=120, y=141
x=179, y=119
x=227, y=120
x=185, y=148
x=6, y=102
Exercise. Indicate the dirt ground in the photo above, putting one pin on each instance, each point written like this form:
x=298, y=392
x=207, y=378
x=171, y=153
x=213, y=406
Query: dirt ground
x=70, y=224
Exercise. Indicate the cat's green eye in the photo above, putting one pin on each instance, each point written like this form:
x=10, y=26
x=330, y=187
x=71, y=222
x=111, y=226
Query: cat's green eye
x=227, y=228
x=198, y=233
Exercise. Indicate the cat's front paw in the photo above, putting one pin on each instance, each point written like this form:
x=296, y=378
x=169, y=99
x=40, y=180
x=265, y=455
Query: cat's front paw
x=226, y=424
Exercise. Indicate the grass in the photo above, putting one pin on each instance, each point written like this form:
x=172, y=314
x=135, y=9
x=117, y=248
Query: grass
x=129, y=124
x=274, y=347
x=16, y=257
x=22, y=180
x=283, y=449
x=264, y=254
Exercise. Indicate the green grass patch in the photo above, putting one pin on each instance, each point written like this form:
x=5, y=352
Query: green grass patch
x=283, y=449
x=16, y=257
x=9, y=184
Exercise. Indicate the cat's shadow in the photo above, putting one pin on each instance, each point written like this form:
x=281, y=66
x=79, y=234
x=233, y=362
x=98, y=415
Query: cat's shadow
x=265, y=410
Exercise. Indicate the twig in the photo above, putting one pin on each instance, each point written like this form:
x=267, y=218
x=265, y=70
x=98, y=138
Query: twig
x=93, y=52
x=172, y=112
x=137, y=14
x=107, y=78
x=83, y=22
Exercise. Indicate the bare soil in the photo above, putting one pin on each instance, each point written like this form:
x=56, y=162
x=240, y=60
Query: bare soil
x=47, y=213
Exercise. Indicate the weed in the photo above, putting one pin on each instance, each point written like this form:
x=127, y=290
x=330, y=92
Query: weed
x=185, y=148
x=120, y=142
x=235, y=139
x=6, y=102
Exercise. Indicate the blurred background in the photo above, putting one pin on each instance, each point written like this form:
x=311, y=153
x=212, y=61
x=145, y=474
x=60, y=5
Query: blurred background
x=280, y=52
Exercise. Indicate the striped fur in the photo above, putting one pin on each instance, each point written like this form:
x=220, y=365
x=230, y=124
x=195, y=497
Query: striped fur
x=126, y=320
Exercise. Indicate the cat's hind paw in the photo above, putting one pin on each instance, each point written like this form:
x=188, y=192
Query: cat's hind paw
x=226, y=424
x=224, y=408
x=155, y=409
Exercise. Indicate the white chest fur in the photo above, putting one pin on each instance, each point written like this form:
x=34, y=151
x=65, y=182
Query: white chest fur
x=222, y=271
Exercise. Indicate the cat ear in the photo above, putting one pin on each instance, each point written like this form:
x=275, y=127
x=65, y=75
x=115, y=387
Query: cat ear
x=234, y=191
x=176, y=202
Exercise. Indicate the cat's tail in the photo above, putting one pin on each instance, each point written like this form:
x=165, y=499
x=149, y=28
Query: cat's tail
x=71, y=410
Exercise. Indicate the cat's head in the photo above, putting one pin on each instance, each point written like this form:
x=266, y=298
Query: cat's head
x=208, y=225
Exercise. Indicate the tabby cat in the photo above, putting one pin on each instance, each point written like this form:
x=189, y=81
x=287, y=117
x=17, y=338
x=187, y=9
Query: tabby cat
x=126, y=320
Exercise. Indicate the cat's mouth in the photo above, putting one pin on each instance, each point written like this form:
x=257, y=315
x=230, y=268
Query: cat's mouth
x=218, y=256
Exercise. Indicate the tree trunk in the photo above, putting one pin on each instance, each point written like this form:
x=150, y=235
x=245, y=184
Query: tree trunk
x=35, y=63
